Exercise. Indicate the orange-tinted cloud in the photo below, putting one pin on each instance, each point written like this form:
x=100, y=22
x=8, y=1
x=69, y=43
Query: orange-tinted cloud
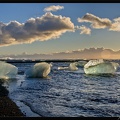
x=91, y=53
x=95, y=21
x=84, y=29
x=101, y=23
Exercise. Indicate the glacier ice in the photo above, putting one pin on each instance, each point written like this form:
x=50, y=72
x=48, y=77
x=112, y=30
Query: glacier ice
x=80, y=63
x=93, y=63
x=62, y=68
x=41, y=69
x=7, y=70
x=100, y=67
x=71, y=67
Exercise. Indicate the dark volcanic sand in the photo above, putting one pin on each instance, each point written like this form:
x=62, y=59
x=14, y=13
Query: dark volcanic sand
x=7, y=107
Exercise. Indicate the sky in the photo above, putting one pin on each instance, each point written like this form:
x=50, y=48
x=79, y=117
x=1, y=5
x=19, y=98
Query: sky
x=60, y=30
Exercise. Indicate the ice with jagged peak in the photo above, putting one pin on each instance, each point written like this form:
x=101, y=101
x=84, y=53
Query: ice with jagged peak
x=7, y=70
x=41, y=69
x=80, y=63
x=71, y=67
x=93, y=63
x=100, y=67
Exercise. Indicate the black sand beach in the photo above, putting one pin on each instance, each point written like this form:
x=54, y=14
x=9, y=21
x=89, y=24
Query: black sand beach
x=7, y=107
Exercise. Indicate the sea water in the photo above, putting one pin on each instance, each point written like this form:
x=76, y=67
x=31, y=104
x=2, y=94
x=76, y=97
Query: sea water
x=65, y=93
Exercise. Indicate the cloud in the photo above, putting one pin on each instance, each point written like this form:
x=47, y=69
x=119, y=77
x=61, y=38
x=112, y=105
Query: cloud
x=53, y=8
x=95, y=21
x=87, y=53
x=84, y=29
x=42, y=28
x=115, y=25
x=101, y=23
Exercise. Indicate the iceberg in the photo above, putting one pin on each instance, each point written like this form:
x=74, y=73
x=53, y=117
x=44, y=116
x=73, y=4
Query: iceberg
x=71, y=67
x=100, y=67
x=7, y=70
x=80, y=63
x=41, y=69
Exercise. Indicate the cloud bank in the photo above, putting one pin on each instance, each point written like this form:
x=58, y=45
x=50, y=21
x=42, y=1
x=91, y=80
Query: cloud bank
x=53, y=8
x=42, y=28
x=90, y=53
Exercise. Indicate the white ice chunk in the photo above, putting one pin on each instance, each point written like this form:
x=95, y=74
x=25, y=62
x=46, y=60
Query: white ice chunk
x=100, y=67
x=71, y=67
x=62, y=68
x=41, y=69
x=7, y=70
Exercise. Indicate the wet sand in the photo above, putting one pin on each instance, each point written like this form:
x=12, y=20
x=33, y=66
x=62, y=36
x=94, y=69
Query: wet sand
x=7, y=107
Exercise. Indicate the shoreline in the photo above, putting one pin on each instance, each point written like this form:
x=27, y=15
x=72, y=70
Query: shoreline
x=8, y=108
